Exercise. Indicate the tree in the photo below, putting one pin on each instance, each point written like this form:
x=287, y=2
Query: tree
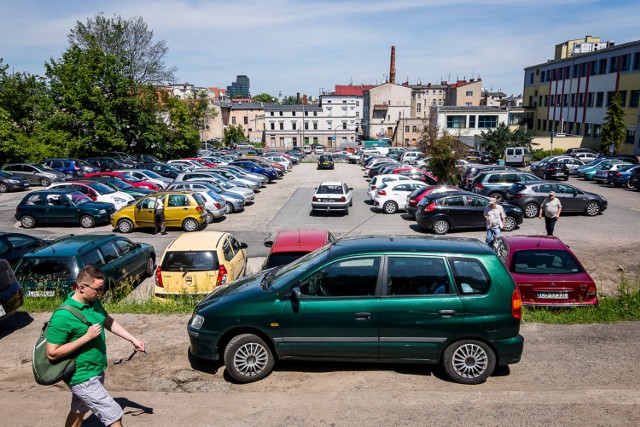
x=233, y=135
x=265, y=97
x=290, y=100
x=131, y=42
x=443, y=151
x=614, y=131
x=201, y=110
x=499, y=139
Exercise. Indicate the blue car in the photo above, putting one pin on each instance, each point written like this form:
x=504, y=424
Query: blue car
x=253, y=167
x=622, y=176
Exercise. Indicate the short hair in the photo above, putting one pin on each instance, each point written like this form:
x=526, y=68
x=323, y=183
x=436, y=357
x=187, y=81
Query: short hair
x=90, y=274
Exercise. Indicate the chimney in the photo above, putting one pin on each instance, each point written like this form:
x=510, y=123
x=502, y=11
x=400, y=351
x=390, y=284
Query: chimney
x=392, y=71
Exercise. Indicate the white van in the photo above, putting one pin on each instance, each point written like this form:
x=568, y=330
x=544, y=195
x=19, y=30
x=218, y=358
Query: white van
x=517, y=156
x=319, y=149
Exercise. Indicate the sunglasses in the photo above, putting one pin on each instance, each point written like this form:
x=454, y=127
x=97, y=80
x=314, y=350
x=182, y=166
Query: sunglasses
x=97, y=290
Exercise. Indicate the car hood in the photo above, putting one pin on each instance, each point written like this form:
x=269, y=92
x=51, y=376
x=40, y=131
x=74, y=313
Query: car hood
x=241, y=289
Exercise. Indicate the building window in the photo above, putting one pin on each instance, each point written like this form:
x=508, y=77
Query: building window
x=468, y=104
x=575, y=71
x=596, y=130
x=293, y=113
x=546, y=100
x=590, y=99
x=544, y=125
x=315, y=114
x=613, y=64
x=357, y=103
x=594, y=68
x=610, y=95
x=281, y=126
x=581, y=99
x=636, y=61
x=578, y=129
x=357, y=114
x=344, y=125
x=553, y=98
x=306, y=125
x=587, y=129
x=635, y=98
x=565, y=100
x=315, y=125
x=623, y=96
x=315, y=140
x=272, y=113
x=293, y=125
x=456, y=122
x=487, y=122
x=469, y=93
x=306, y=113
x=602, y=67
x=626, y=62
x=414, y=128
x=281, y=113
x=406, y=128
x=472, y=122
x=573, y=99
x=583, y=70
x=418, y=107
x=233, y=120
x=246, y=120
x=539, y=123
x=599, y=99
x=273, y=126
x=631, y=136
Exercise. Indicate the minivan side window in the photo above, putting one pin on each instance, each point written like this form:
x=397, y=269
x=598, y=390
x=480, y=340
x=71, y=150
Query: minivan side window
x=470, y=276
x=109, y=252
x=93, y=257
x=345, y=278
x=417, y=276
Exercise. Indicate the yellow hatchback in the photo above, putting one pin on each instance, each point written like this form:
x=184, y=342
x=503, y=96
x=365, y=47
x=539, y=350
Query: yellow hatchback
x=182, y=209
x=199, y=263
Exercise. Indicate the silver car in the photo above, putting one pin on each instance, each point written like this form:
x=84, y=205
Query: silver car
x=246, y=193
x=233, y=202
x=231, y=179
x=149, y=176
x=241, y=173
x=214, y=204
x=35, y=173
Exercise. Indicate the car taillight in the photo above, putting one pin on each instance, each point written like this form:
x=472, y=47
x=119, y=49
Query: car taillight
x=315, y=199
x=373, y=187
x=430, y=207
x=217, y=205
x=517, y=196
x=618, y=174
x=551, y=169
x=479, y=186
x=382, y=192
x=343, y=199
x=516, y=304
x=159, y=277
x=76, y=168
x=591, y=292
x=413, y=202
x=222, y=276
x=199, y=208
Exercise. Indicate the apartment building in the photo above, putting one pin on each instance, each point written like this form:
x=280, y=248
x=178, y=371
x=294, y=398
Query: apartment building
x=468, y=123
x=384, y=106
x=570, y=96
x=464, y=93
x=423, y=97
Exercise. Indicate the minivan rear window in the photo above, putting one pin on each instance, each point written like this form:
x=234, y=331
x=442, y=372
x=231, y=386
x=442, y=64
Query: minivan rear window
x=36, y=267
x=190, y=261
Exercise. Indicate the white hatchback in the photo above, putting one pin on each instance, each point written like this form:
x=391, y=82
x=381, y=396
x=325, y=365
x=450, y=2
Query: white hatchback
x=391, y=197
x=378, y=180
x=95, y=190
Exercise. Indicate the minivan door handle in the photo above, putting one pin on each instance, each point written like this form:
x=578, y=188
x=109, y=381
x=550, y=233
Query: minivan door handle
x=362, y=316
x=447, y=313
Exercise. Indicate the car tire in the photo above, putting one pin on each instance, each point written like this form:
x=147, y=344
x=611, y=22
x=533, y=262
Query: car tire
x=469, y=361
x=150, y=267
x=510, y=223
x=531, y=210
x=592, y=208
x=45, y=182
x=247, y=358
x=628, y=185
x=87, y=221
x=190, y=225
x=566, y=178
x=209, y=219
x=390, y=207
x=228, y=208
x=3, y=187
x=440, y=226
x=27, y=221
x=125, y=226
x=268, y=178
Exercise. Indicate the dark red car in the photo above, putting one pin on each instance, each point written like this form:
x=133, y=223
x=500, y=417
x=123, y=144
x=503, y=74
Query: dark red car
x=289, y=245
x=414, y=198
x=128, y=178
x=417, y=174
x=546, y=271
x=203, y=162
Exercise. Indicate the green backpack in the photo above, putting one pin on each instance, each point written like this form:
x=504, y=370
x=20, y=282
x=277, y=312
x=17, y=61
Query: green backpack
x=45, y=371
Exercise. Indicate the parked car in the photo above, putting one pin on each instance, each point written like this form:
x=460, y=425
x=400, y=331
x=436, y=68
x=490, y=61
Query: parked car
x=36, y=174
x=577, y=150
x=634, y=180
x=150, y=176
x=182, y=209
x=411, y=205
x=629, y=158
x=58, y=207
x=551, y=169
x=235, y=178
x=106, y=164
x=199, y=263
x=253, y=167
x=484, y=157
x=442, y=212
x=128, y=178
x=470, y=171
x=14, y=245
x=120, y=185
x=391, y=196
x=233, y=202
x=52, y=269
x=325, y=161
x=496, y=183
x=332, y=196
x=420, y=278
x=601, y=174
x=417, y=175
x=622, y=176
x=546, y=271
x=529, y=195
x=96, y=191
x=246, y=193
x=214, y=205
x=585, y=157
x=11, y=182
x=11, y=292
x=587, y=171
x=289, y=245
x=147, y=158
x=241, y=173
x=162, y=169
x=70, y=167
x=125, y=159
x=381, y=179
x=517, y=155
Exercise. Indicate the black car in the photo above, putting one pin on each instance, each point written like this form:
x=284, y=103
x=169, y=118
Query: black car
x=529, y=195
x=634, y=180
x=10, y=182
x=550, y=169
x=162, y=169
x=14, y=245
x=441, y=212
x=325, y=161
x=11, y=293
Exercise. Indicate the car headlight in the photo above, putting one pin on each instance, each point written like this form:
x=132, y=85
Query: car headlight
x=102, y=211
x=13, y=181
x=197, y=321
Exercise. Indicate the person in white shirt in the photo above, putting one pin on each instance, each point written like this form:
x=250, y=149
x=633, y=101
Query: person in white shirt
x=551, y=207
x=158, y=217
x=496, y=219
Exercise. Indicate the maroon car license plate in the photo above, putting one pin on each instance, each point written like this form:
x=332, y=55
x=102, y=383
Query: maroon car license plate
x=553, y=295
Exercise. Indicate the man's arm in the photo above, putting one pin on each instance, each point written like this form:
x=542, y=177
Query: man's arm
x=116, y=328
x=58, y=351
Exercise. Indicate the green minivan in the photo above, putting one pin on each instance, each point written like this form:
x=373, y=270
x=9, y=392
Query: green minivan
x=446, y=301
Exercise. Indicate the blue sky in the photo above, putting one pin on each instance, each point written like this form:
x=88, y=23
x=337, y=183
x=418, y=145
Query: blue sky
x=292, y=46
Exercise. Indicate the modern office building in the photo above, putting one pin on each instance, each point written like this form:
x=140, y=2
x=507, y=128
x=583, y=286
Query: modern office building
x=241, y=88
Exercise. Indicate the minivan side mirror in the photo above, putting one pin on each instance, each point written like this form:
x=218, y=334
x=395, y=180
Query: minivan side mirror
x=295, y=294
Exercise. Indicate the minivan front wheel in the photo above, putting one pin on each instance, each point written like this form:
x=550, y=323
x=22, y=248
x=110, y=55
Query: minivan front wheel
x=247, y=358
x=469, y=361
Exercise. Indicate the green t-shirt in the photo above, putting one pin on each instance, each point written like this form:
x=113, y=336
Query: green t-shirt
x=64, y=327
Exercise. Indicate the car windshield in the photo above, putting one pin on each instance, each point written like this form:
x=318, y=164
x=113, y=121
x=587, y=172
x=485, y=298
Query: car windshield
x=282, y=258
x=184, y=261
x=78, y=198
x=101, y=188
x=152, y=174
x=130, y=177
x=39, y=268
x=544, y=261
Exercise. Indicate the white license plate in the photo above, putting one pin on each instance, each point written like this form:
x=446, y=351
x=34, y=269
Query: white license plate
x=2, y=312
x=553, y=295
x=47, y=294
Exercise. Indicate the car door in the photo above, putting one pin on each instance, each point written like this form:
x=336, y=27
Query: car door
x=474, y=211
x=115, y=265
x=419, y=310
x=239, y=260
x=175, y=209
x=454, y=210
x=58, y=210
x=572, y=199
x=30, y=173
x=338, y=312
x=132, y=255
x=145, y=212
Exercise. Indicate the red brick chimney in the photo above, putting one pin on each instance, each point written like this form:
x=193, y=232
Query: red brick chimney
x=392, y=71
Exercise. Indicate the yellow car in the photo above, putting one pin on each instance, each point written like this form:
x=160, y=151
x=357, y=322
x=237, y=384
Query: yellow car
x=183, y=209
x=199, y=263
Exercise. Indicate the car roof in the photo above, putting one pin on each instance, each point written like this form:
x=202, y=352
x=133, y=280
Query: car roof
x=71, y=245
x=200, y=241
x=408, y=244
x=534, y=242
x=299, y=240
x=331, y=183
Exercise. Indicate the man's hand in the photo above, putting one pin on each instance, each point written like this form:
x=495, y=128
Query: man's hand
x=94, y=331
x=139, y=345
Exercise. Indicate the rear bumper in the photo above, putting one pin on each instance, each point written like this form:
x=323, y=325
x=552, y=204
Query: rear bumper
x=509, y=350
x=330, y=206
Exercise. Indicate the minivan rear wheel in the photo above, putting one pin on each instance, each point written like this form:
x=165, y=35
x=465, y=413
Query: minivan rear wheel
x=469, y=361
x=247, y=358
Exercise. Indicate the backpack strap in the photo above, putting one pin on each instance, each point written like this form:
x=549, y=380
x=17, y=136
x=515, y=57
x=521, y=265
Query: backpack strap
x=75, y=312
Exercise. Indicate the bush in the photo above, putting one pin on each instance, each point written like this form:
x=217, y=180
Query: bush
x=541, y=154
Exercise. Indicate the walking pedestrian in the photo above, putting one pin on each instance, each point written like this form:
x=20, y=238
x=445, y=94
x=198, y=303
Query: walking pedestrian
x=496, y=219
x=67, y=335
x=551, y=207
x=158, y=217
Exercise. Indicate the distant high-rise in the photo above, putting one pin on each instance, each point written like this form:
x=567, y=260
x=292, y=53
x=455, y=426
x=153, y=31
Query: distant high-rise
x=239, y=88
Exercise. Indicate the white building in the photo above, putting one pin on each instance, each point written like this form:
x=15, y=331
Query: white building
x=468, y=123
x=384, y=106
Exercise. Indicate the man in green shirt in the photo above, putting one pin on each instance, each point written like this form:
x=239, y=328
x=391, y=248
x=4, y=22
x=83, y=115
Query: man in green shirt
x=67, y=334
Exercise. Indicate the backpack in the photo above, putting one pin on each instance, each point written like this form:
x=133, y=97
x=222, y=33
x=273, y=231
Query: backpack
x=45, y=371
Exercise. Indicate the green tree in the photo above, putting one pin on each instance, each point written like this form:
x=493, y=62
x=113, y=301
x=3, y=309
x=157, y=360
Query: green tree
x=499, y=139
x=443, y=151
x=233, y=134
x=290, y=100
x=266, y=98
x=201, y=110
x=614, y=131
x=131, y=42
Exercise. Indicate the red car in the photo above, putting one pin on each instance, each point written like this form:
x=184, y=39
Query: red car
x=417, y=174
x=546, y=271
x=289, y=245
x=128, y=178
x=414, y=198
x=203, y=162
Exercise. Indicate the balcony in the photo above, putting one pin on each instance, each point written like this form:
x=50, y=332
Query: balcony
x=380, y=107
